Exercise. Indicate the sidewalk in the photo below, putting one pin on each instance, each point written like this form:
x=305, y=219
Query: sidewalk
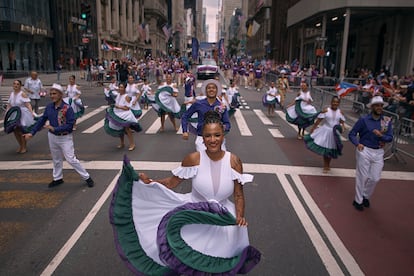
x=49, y=79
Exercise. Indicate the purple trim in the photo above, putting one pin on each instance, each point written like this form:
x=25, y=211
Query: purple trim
x=111, y=215
x=117, y=122
x=248, y=258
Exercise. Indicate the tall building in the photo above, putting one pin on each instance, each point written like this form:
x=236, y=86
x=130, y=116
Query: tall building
x=74, y=37
x=156, y=16
x=178, y=23
x=228, y=11
x=117, y=28
x=25, y=41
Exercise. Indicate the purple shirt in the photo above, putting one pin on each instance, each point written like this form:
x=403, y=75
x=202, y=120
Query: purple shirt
x=364, y=127
x=201, y=107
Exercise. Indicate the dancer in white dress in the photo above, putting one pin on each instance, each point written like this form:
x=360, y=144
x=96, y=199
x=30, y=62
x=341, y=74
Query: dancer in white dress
x=169, y=233
x=270, y=99
x=19, y=103
x=324, y=139
x=133, y=92
x=147, y=95
x=120, y=119
x=301, y=112
x=73, y=99
x=166, y=102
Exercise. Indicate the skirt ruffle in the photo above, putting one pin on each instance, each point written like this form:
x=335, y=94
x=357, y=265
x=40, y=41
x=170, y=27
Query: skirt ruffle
x=13, y=120
x=324, y=151
x=115, y=125
x=77, y=106
x=177, y=257
x=166, y=102
x=297, y=116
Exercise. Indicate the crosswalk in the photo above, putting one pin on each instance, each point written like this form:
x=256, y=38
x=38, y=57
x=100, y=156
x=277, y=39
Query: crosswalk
x=239, y=122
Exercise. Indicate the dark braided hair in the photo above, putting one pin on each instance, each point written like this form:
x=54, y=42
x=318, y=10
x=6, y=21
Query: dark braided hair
x=212, y=117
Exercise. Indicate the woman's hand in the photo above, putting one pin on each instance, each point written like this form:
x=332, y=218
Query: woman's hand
x=145, y=178
x=241, y=221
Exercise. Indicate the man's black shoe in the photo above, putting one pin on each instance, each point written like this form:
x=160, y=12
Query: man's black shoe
x=365, y=202
x=358, y=206
x=90, y=182
x=55, y=183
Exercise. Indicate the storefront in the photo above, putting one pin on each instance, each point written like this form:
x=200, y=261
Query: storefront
x=24, y=48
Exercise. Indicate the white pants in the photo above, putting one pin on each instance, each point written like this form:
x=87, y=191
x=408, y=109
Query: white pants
x=62, y=146
x=199, y=143
x=369, y=164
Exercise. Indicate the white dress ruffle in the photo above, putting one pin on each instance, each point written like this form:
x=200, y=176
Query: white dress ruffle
x=152, y=201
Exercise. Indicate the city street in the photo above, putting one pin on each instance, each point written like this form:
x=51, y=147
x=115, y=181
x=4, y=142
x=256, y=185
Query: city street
x=300, y=219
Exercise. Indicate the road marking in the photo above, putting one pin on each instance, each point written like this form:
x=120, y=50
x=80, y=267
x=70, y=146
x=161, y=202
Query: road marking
x=265, y=120
x=95, y=127
x=91, y=114
x=343, y=253
x=168, y=166
x=323, y=251
x=153, y=129
x=241, y=123
x=63, y=252
x=276, y=133
x=101, y=123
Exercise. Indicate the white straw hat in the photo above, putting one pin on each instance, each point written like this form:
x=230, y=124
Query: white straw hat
x=377, y=100
x=57, y=87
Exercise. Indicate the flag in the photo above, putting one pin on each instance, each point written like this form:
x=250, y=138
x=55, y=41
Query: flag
x=147, y=34
x=343, y=88
x=141, y=31
x=255, y=28
x=249, y=30
x=167, y=31
x=221, y=48
x=108, y=47
x=194, y=49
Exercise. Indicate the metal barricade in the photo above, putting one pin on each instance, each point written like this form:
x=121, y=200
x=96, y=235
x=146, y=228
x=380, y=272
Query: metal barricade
x=403, y=140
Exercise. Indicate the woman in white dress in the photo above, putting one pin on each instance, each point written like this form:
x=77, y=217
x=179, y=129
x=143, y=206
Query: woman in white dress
x=324, y=136
x=18, y=104
x=133, y=92
x=270, y=99
x=161, y=232
x=73, y=99
x=120, y=119
x=111, y=92
x=301, y=112
x=147, y=95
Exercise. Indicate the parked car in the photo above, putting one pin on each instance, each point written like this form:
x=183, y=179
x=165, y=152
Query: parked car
x=207, y=70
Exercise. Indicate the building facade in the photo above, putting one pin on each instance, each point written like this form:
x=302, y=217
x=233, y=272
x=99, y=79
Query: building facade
x=117, y=28
x=25, y=41
x=69, y=43
x=342, y=36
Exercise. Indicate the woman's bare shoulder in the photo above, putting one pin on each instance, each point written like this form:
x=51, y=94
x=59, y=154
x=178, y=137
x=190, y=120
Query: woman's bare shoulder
x=192, y=159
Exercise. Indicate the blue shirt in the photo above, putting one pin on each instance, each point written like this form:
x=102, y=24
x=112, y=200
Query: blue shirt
x=364, y=128
x=51, y=113
x=201, y=107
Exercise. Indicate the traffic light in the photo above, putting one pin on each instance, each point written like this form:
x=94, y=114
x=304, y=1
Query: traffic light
x=85, y=10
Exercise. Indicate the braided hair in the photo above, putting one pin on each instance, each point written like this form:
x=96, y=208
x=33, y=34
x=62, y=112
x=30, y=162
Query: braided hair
x=212, y=117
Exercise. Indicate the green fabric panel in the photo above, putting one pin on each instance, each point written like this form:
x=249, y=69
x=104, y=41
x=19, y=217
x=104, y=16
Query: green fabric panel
x=125, y=229
x=189, y=256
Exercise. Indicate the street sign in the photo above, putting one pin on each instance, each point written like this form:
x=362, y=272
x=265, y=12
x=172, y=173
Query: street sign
x=90, y=35
x=321, y=38
x=85, y=40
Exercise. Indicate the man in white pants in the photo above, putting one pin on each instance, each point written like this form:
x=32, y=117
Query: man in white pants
x=369, y=135
x=61, y=119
